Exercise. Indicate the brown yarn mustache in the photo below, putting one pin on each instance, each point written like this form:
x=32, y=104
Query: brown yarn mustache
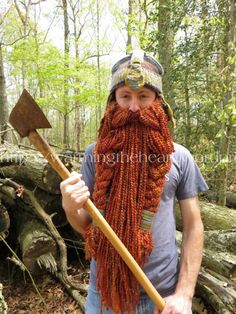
x=124, y=116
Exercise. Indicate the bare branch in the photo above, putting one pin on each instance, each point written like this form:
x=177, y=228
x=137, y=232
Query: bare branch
x=94, y=56
x=38, y=2
x=47, y=31
x=2, y=20
x=18, y=39
x=19, y=12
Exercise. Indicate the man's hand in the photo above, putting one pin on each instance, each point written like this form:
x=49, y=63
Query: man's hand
x=176, y=304
x=74, y=195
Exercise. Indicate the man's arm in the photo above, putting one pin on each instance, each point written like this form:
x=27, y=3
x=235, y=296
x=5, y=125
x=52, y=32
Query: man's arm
x=192, y=246
x=190, y=261
x=74, y=194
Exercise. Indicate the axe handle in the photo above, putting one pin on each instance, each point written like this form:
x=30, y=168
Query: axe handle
x=39, y=142
x=41, y=145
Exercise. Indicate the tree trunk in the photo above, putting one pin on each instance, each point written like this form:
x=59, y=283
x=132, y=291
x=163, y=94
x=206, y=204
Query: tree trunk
x=3, y=103
x=129, y=24
x=165, y=45
x=78, y=127
x=65, y=124
x=99, y=112
x=24, y=17
x=230, y=42
x=77, y=34
x=186, y=95
x=66, y=81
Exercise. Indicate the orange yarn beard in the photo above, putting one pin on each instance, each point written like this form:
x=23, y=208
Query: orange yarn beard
x=128, y=188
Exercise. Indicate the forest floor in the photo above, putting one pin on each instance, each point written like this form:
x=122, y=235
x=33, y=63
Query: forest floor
x=22, y=298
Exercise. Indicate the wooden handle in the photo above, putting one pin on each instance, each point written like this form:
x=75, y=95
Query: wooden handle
x=44, y=148
x=36, y=139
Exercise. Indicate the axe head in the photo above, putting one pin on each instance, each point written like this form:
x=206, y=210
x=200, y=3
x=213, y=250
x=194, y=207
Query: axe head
x=27, y=116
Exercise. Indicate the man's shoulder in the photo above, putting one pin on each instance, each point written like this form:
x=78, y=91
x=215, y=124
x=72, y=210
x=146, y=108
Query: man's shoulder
x=181, y=151
x=89, y=149
x=181, y=157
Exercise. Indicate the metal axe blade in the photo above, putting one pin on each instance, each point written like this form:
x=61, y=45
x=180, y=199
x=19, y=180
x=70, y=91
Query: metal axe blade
x=27, y=116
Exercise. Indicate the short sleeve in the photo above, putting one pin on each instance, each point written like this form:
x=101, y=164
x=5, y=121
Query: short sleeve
x=191, y=180
x=88, y=168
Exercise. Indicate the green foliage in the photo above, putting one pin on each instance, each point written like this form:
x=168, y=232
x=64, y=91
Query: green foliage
x=37, y=65
x=201, y=77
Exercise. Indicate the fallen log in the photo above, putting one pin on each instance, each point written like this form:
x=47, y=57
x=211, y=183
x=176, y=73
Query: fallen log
x=29, y=167
x=215, y=257
x=220, y=262
x=51, y=203
x=213, y=286
x=231, y=199
x=27, y=197
x=225, y=292
x=221, y=240
x=35, y=241
x=214, y=217
x=211, y=299
x=33, y=236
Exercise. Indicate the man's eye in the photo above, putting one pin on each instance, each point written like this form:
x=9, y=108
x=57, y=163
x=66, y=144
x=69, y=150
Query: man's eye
x=144, y=96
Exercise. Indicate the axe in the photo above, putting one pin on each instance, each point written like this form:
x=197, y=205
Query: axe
x=25, y=118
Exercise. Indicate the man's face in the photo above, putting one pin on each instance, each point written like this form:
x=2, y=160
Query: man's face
x=134, y=100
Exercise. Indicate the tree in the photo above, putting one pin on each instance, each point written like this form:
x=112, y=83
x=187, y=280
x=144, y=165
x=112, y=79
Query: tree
x=66, y=81
x=3, y=102
x=129, y=35
x=228, y=98
x=23, y=13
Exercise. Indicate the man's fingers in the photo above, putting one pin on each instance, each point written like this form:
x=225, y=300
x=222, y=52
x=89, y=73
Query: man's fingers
x=79, y=192
x=73, y=178
x=76, y=186
x=72, y=185
x=83, y=198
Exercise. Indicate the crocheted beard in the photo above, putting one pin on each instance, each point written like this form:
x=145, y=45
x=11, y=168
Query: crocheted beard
x=132, y=159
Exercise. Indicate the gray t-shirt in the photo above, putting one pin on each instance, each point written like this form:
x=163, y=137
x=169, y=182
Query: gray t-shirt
x=183, y=181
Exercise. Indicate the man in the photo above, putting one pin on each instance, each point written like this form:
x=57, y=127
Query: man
x=133, y=175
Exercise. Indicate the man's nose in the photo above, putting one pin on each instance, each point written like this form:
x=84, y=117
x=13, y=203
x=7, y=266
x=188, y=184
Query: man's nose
x=134, y=105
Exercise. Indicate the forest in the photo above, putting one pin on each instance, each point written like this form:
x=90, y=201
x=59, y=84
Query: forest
x=61, y=52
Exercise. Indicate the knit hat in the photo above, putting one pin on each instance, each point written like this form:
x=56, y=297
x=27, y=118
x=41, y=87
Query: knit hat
x=137, y=70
